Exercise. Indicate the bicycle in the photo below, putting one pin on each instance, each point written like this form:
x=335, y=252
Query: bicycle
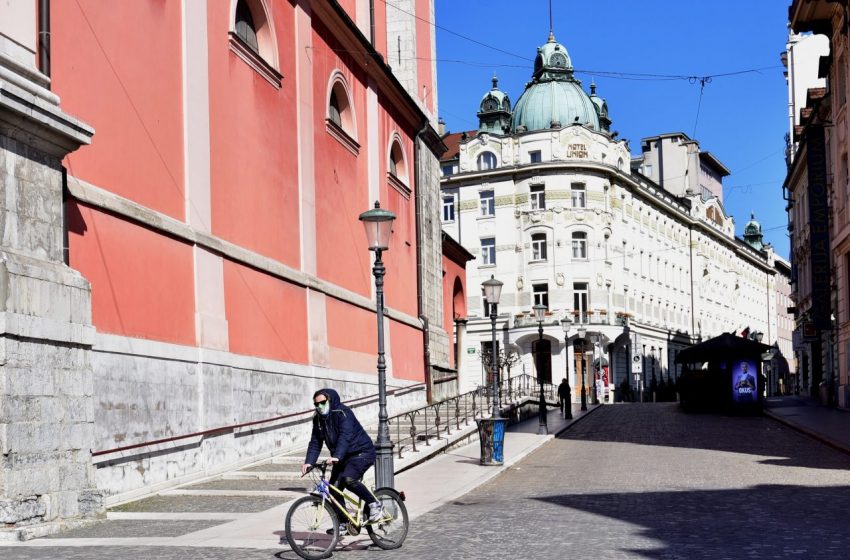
x=312, y=523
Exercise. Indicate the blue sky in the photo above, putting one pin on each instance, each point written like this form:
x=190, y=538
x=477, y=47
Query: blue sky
x=741, y=119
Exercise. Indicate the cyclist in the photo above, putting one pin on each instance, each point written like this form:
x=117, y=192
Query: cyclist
x=352, y=451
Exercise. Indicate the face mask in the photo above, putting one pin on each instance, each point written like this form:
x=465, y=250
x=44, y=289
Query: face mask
x=324, y=408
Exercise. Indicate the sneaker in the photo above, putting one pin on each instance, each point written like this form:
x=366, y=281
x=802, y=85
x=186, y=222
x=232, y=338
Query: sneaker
x=343, y=529
x=376, y=512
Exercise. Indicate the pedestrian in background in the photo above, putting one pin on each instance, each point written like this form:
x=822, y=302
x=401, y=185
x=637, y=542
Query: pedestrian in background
x=564, y=398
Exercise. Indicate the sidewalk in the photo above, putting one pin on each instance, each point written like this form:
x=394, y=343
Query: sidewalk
x=427, y=486
x=828, y=425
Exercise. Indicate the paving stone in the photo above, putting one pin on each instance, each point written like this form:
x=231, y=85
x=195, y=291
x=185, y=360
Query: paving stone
x=137, y=528
x=227, y=504
x=249, y=484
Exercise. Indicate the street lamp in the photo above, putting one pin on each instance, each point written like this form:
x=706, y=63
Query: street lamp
x=492, y=292
x=582, y=332
x=568, y=409
x=539, y=315
x=379, y=226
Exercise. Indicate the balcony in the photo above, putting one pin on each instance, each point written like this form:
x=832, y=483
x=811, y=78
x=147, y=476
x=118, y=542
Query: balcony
x=592, y=317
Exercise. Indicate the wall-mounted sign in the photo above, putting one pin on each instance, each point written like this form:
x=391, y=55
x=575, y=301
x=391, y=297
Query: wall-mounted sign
x=470, y=350
x=576, y=151
x=637, y=364
x=744, y=381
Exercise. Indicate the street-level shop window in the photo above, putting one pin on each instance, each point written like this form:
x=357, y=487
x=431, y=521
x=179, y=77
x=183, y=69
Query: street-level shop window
x=538, y=197
x=538, y=247
x=488, y=251
x=488, y=203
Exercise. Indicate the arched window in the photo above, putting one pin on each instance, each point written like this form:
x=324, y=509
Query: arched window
x=396, y=165
x=486, y=161
x=252, y=38
x=245, y=28
x=333, y=110
x=579, y=239
x=538, y=246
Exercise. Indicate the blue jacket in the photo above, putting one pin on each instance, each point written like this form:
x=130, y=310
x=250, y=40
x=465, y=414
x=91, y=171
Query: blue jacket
x=340, y=430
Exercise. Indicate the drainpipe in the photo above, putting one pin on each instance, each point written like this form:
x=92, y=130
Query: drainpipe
x=691, y=254
x=420, y=300
x=44, y=37
x=372, y=22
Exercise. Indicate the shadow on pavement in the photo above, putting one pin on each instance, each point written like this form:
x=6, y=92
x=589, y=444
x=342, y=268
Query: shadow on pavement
x=739, y=523
x=642, y=424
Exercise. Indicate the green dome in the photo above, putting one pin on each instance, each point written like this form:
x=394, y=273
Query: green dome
x=752, y=233
x=495, y=99
x=554, y=98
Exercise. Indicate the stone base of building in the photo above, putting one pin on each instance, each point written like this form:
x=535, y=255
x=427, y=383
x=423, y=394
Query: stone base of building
x=38, y=530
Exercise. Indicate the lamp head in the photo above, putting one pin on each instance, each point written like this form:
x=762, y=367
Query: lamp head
x=379, y=226
x=492, y=290
x=566, y=324
x=582, y=332
x=539, y=312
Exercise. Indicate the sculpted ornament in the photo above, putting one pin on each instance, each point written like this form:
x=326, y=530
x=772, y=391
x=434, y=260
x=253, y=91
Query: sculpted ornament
x=559, y=279
x=519, y=283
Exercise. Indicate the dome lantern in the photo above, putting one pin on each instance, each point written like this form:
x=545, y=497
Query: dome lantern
x=494, y=111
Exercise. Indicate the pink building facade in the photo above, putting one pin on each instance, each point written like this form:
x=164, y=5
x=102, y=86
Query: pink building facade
x=215, y=215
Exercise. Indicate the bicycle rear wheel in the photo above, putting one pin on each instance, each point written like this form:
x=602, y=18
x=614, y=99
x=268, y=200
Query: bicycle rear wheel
x=307, y=523
x=391, y=530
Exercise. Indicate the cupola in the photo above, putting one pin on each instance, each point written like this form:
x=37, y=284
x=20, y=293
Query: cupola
x=494, y=112
x=752, y=234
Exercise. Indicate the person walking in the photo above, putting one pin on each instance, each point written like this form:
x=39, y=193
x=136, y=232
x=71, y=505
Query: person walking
x=564, y=394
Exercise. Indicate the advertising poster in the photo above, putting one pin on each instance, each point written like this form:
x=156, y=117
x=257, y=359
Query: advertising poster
x=744, y=382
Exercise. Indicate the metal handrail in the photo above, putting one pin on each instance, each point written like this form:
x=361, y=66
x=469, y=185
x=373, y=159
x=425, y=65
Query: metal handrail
x=211, y=431
x=448, y=414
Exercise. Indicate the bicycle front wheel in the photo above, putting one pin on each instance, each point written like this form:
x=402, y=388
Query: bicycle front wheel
x=312, y=528
x=391, y=530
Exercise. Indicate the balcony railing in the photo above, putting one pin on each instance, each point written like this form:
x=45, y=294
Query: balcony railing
x=587, y=318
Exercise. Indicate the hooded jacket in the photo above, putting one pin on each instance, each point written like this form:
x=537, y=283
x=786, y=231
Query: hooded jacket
x=339, y=430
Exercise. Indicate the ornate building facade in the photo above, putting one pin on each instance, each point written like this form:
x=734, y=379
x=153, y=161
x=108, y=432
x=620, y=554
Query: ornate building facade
x=552, y=204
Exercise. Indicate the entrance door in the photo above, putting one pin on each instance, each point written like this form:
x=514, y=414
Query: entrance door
x=542, y=351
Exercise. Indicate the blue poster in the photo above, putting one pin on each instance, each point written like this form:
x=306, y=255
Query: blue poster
x=744, y=382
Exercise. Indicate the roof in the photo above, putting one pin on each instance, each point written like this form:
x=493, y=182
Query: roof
x=721, y=348
x=724, y=171
x=452, y=142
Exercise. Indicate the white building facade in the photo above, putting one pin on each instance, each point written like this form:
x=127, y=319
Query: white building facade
x=559, y=216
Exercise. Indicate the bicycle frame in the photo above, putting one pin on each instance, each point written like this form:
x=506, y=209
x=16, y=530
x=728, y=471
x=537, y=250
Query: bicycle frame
x=327, y=490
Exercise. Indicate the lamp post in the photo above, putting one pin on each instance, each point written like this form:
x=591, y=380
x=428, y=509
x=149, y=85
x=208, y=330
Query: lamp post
x=378, y=223
x=568, y=408
x=582, y=332
x=492, y=292
x=539, y=315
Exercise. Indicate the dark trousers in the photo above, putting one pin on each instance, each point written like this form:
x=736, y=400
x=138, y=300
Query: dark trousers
x=346, y=474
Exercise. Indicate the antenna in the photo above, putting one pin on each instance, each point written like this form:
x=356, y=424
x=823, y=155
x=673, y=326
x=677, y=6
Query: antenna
x=550, y=17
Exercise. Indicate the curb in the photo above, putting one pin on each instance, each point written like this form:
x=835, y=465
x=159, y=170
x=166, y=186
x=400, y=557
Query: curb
x=843, y=448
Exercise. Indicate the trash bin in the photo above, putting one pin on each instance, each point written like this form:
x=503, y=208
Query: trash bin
x=491, y=433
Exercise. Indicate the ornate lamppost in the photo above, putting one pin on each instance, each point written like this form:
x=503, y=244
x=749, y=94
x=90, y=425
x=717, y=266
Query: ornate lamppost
x=378, y=223
x=492, y=292
x=539, y=315
x=568, y=409
x=582, y=332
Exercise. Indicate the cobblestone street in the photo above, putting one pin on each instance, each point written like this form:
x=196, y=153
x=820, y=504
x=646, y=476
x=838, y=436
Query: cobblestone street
x=630, y=481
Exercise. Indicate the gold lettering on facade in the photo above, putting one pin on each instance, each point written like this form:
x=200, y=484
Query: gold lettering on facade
x=576, y=151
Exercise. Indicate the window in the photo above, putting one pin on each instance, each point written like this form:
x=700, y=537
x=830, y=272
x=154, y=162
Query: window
x=396, y=165
x=534, y=156
x=449, y=208
x=252, y=39
x=448, y=170
x=538, y=197
x=541, y=295
x=579, y=245
x=577, y=194
x=245, y=28
x=647, y=170
x=580, y=294
x=488, y=251
x=538, y=247
x=486, y=161
x=333, y=110
x=488, y=203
